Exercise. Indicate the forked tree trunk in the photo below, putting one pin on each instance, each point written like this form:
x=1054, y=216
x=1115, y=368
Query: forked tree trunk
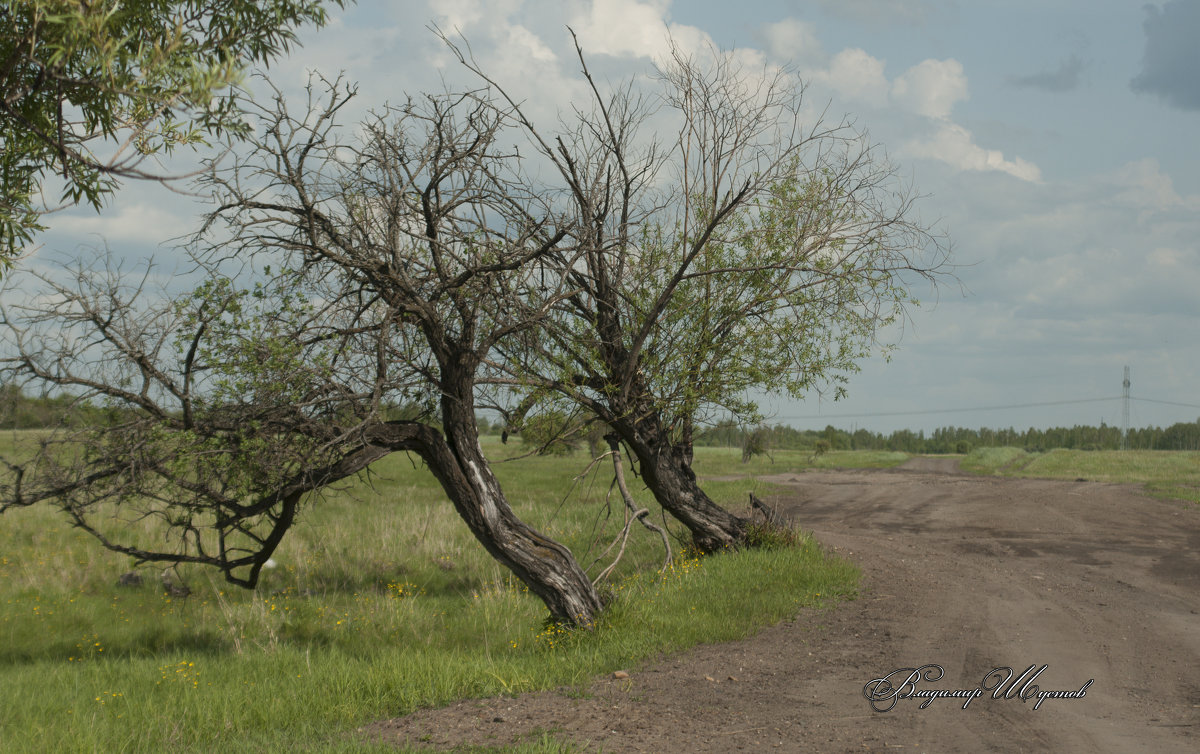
x=669, y=477
x=545, y=566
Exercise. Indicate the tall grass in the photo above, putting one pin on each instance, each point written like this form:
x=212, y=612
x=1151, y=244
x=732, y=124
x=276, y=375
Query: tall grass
x=1163, y=473
x=724, y=462
x=382, y=603
x=994, y=460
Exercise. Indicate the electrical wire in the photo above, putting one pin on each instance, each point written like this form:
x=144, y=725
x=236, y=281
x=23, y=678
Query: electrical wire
x=956, y=410
x=1165, y=403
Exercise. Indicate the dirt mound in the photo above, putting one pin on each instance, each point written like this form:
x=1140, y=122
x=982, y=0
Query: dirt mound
x=963, y=574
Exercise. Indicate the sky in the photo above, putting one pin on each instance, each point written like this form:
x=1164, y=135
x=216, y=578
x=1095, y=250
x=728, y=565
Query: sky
x=1056, y=141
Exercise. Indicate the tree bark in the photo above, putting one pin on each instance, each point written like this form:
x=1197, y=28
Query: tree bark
x=545, y=566
x=457, y=462
x=669, y=477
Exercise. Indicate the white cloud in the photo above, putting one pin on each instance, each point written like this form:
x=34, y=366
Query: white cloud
x=856, y=75
x=795, y=41
x=630, y=28
x=1143, y=184
x=953, y=145
x=1118, y=244
x=931, y=87
x=461, y=15
x=524, y=42
x=930, y=90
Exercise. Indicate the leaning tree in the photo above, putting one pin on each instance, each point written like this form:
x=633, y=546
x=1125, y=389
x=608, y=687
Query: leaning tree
x=730, y=242
x=385, y=268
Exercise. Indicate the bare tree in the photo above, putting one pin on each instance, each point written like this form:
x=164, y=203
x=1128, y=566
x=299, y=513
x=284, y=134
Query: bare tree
x=417, y=263
x=400, y=259
x=755, y=249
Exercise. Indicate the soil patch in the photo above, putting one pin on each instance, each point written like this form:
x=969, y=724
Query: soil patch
x=1097, y=582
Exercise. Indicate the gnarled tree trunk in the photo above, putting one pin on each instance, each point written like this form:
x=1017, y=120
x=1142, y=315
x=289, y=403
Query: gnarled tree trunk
x=669, y=477
x=545, y=566
x=457, y=462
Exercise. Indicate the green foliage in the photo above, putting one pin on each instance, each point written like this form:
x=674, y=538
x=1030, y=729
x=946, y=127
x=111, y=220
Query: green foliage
x=257, y=345
x=756, y=442
x=221, y=398
x=553, y=432
x=784, y=299
x=140, y=76
x=257, y=363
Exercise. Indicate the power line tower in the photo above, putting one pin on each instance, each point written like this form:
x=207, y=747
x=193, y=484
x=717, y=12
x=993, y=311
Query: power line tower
x=1125, y=411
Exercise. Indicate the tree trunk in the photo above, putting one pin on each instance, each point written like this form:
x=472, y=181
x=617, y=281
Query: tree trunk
x=685, y=449
x=668, y=474
x=545, y=566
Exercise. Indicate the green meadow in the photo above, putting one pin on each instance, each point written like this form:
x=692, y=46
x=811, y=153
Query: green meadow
x=1163, y=473
x=381, y=603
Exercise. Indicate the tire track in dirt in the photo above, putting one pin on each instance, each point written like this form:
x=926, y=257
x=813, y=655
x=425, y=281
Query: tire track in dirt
x=1097, y=582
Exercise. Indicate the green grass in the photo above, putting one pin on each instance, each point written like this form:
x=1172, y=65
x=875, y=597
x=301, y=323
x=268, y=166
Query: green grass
x=994, y=460
x=382, y=603
x=1163, y=473
x=722, y=462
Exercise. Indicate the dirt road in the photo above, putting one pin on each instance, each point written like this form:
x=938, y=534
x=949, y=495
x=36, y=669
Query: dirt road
x=964, y=574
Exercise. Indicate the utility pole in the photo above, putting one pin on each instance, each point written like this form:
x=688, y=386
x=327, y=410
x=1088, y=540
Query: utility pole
x=1125, y=412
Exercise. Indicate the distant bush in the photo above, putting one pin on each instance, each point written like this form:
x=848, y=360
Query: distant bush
x=20, y=411
x=552, y=433
x=756, y=442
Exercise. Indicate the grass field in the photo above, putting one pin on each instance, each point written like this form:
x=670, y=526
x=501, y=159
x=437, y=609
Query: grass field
x=1167, y=474
x=382, y=603
x=725, y=462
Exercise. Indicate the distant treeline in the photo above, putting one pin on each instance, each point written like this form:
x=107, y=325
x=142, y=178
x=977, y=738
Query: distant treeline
x=1183, y=436
x=20, y=411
